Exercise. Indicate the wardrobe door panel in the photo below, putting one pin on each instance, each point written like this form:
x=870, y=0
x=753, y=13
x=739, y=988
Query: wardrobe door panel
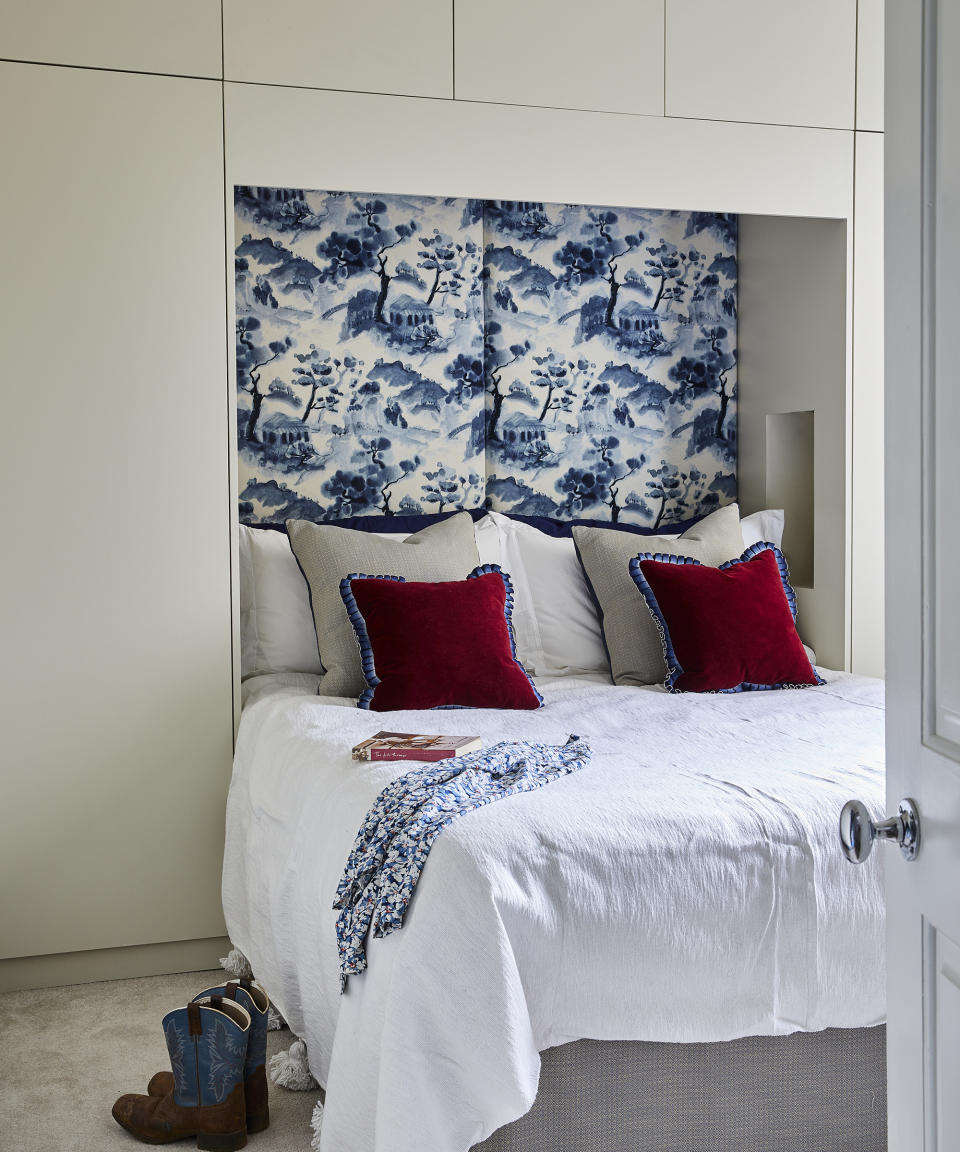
x=374, y=47
x=115, y=605
x=768, y=63
x=554, y=54
x=181, y=37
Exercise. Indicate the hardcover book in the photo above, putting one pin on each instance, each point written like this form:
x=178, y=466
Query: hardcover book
x=414, y=746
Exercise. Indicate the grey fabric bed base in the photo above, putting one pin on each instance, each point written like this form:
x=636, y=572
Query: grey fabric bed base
x=807, y=1092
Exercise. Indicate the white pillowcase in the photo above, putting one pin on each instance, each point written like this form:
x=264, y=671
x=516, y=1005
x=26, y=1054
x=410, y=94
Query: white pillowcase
x=277, y=632
x=555, y=619
x=488, y=539
x=760, y=526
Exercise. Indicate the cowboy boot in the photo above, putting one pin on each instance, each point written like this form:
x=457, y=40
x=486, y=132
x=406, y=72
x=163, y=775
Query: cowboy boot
x=251, y=996
x=207, y=1044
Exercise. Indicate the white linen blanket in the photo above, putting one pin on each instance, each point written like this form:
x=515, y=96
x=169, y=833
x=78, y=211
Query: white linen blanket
x=687, y=885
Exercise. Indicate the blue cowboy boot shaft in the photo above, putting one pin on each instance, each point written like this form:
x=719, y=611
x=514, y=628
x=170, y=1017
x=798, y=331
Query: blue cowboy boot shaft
x=247, y=994
x=207, y=1059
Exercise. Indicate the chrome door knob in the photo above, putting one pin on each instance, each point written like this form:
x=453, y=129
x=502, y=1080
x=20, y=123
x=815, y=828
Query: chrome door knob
x=858, y=831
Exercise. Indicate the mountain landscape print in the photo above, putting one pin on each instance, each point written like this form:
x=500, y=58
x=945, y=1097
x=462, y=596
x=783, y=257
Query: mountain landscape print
x=610, y=361
x=405, y=354
x=359, y=354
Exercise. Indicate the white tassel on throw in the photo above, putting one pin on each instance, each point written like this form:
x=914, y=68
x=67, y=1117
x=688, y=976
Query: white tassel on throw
x=290, y=1069
x=236, y=964
x=316, y=1123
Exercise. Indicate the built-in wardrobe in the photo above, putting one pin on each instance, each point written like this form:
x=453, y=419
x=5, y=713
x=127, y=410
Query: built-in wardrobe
x=125, y=126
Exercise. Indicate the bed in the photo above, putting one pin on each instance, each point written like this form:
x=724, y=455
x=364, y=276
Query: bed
x=669, y=944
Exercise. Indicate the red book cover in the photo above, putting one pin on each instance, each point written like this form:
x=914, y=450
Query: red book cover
x=414, y=746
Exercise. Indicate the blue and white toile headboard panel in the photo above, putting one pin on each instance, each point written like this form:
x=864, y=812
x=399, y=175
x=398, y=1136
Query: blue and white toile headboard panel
x=404, y=354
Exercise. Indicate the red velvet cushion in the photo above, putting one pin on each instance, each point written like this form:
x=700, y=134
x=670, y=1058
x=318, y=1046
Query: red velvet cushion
x=726, y=629
x=437, y=645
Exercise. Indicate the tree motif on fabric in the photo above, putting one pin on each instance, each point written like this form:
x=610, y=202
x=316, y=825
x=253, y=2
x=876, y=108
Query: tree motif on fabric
x=596, y=257
x=251, y=357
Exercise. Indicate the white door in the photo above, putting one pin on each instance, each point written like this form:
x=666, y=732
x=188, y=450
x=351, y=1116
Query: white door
x=923, y=567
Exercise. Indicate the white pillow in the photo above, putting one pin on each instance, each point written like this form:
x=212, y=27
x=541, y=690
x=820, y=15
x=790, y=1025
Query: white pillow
x=555, y=619
x=277, y=632
x=556, y=623
x=760, y=526
x=489, y=547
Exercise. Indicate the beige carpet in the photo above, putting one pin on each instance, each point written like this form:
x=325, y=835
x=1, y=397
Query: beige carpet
x=67, y=1053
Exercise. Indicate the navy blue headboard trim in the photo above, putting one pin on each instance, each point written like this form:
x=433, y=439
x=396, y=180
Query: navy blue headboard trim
x=406, y=525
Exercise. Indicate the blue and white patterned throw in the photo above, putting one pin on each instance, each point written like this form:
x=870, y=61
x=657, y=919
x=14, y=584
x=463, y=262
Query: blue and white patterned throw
x=392, y=846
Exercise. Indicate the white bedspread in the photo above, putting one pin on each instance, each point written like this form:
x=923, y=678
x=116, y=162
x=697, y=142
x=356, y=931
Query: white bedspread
x=686, y=886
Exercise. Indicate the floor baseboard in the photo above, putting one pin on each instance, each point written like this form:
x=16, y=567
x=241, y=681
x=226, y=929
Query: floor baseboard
x=21, y=972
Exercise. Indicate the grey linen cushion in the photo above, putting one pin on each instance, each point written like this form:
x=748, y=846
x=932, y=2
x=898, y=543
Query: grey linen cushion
x=633, y=642
x=325, y=553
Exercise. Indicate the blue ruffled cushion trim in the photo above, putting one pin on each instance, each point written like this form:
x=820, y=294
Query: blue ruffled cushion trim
x=674, y=667
x=360, y=631
x=366, y=648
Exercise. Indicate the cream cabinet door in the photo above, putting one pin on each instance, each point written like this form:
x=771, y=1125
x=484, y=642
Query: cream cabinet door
x=181, y=37
x=770, y=63
x=399, y=49
x=607, y=57
x=116, y=688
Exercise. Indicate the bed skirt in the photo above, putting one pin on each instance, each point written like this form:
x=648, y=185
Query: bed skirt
x=796, y=1093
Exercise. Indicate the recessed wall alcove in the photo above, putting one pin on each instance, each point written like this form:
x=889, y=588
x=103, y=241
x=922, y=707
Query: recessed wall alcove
x=795, y=322
x=660, y=417
x=794, y=429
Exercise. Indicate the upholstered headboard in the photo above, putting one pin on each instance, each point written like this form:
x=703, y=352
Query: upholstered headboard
x=409, y=354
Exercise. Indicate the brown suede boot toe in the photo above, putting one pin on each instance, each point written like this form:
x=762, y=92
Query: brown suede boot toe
x=143, y=1117
x=123, y=1110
